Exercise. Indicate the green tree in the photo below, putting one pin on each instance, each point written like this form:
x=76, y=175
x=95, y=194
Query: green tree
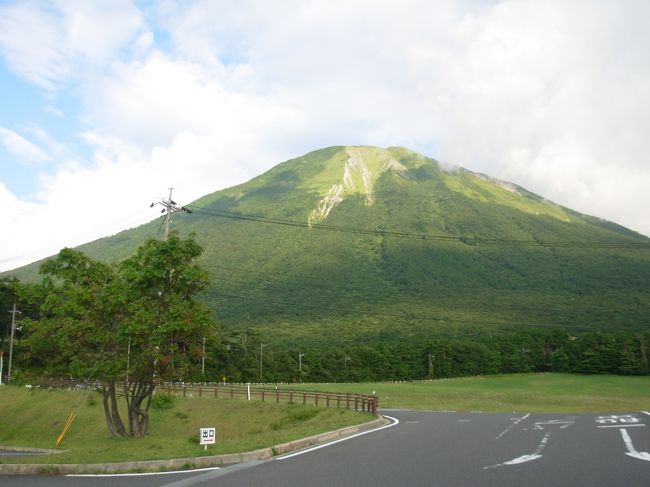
x=127, y=327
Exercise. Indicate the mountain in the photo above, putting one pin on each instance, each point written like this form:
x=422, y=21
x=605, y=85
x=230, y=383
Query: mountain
x=364, y=245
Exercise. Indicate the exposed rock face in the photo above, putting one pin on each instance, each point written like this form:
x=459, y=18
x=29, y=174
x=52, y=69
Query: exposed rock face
x=502, y=184
x=358, y=177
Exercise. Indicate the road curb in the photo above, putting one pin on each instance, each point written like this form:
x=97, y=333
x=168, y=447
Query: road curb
x=187, y=463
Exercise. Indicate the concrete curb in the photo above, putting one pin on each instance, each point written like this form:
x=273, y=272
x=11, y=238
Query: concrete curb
x=186, y=463
x=24, y=449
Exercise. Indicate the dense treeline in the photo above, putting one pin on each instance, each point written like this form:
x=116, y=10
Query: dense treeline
x=475, y=353
x=257, y=355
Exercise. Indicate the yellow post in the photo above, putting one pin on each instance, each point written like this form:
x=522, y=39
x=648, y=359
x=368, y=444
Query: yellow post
x=65, y=428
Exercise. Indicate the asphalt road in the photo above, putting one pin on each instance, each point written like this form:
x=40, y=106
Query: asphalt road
x=441, y=449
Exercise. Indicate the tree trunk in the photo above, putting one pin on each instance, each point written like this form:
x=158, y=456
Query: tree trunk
x=111, y=411
x=137, y=393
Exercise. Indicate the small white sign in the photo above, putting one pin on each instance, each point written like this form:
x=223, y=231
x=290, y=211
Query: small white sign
x=207, y=436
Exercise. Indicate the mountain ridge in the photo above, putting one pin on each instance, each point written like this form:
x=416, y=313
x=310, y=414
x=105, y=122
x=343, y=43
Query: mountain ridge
x=499, y=254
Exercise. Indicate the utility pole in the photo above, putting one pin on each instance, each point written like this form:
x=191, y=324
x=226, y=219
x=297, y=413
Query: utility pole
x=345, y=362
x=300, y=356
x=11, y=340
x=431, y=357
x=261, y=361
x=170, y=206
x=168, y=216
x=203, y=358
x=128, y=360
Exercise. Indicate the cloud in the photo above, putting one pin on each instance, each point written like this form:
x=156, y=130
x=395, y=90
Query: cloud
x=52, y=42
x=202, y=95
x=21, y=148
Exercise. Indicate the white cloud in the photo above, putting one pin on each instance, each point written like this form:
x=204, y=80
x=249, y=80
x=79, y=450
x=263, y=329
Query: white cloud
x=49, y=43
x=550, y=95
x=21, y=148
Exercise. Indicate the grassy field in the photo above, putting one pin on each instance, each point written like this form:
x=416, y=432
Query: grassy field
x=547, y=393
x=36, y=418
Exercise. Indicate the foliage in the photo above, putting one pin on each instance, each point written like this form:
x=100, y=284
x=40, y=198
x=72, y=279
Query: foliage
x=388, y=302
x=125, y=325
x=162, y=401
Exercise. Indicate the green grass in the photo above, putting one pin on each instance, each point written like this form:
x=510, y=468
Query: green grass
x=541, y=393
x=36, y=418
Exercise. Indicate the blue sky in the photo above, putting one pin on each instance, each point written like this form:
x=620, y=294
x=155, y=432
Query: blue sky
x=105, y=105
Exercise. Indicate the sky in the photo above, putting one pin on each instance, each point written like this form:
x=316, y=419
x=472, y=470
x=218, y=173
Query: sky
x=106, y=105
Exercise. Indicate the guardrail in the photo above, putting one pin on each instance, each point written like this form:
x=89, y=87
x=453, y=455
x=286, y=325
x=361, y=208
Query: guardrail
x=357, y=402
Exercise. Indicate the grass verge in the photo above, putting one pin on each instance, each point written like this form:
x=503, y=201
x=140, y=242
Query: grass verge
x=35, y=418
x=542, y=393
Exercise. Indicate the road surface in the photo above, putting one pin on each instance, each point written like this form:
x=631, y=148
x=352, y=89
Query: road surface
x=440, y=449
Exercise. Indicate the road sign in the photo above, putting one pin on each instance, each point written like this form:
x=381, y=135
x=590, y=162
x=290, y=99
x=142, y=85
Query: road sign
x=207, y=436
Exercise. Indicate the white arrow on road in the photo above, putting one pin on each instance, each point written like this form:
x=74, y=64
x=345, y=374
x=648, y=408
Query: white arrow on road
x=525, y=458
x=631, y=451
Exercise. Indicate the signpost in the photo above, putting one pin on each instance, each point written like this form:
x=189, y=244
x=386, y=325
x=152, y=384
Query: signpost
x=207, y=436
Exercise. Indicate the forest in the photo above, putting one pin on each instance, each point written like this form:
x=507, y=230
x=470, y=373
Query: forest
x=223, y=353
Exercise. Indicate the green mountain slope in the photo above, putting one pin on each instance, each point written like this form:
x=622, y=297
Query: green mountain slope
x=373, y=244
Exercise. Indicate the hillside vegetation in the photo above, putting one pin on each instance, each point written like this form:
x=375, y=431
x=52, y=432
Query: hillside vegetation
x=410, y=270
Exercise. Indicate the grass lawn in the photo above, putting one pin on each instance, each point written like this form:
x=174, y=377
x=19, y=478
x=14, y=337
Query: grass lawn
x=35, y=418
x=543, y=393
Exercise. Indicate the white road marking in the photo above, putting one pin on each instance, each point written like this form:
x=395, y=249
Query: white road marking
x=519, y=420
x=525, y=458
x=646, y=412
x=631, y=451
x=620, y=426
x=318, y=447
x=141, y=474
x=564, y=423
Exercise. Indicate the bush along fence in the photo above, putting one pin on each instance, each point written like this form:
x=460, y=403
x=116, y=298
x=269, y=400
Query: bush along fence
x=347, y=400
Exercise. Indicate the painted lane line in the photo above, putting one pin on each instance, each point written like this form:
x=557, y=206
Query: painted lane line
x=646, y=412
x=525, y=458
x=519, y=420
x=141, y=474
x=621, y=426
x=395, y=422
x=631, y=451
x=207, y=476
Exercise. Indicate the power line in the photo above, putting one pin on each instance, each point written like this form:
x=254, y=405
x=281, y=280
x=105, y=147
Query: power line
x=420, y=236
x=170, y=206
x=52, y=248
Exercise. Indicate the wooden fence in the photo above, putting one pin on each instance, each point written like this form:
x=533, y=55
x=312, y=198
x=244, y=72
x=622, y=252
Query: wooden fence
x=347, y=400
